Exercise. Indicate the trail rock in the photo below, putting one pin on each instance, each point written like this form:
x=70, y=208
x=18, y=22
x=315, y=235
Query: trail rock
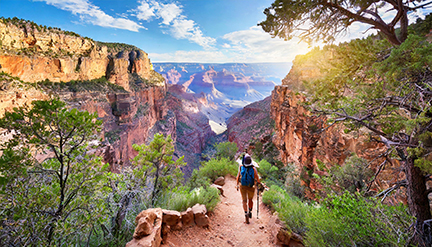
x=220, y=181
x=201, y=219
x=187, y=217
x=148, y=230
x=218, y=187
x=170, y=217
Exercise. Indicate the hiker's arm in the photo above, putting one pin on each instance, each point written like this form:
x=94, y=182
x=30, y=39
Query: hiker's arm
x=238, y=178
x=256, y=175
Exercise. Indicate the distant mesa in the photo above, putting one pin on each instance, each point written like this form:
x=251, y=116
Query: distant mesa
x=227, y=87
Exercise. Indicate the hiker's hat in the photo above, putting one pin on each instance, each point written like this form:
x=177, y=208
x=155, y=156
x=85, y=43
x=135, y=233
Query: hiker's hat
x=248, y=161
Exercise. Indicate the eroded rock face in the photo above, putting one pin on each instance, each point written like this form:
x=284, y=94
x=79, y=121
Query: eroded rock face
x=192, y=126
x=300, y=141
x=37, y=54
x=128, y=118
x=148, y=231
x=251, y=123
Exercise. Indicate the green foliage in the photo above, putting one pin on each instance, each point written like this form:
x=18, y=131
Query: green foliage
x=346, y=220
x=117, y=47
x=352, y=176
x=52, y=200
x=290, y=209
x=226, y=149
x=182, y=198
x=272, y=174
x=98, y=85
x=155, y=162
x=323, y=21
x=211, y=170
x=353, y=220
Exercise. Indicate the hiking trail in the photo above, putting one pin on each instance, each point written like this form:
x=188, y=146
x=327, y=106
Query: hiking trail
x=227, y=227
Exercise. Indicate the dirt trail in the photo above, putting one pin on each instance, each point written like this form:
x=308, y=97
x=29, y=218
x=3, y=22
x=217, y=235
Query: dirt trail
x=227, y=227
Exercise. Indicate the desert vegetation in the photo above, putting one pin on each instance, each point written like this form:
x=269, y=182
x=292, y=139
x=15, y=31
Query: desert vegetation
x=55, y=191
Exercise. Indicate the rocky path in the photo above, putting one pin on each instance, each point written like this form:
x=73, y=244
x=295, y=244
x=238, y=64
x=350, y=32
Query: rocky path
x=227, y=227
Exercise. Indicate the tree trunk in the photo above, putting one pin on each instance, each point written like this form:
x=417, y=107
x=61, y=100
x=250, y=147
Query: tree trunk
x=418, y=201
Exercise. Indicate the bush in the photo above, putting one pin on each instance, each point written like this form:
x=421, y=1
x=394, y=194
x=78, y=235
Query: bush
x=347, y=220
x=353, y=220
x=226, y=150
x=211, y=170
x=352, y=176
x=182, y=198
x=291, y=210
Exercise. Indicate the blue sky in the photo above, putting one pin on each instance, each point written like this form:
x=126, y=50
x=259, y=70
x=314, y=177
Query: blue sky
x=215, y=31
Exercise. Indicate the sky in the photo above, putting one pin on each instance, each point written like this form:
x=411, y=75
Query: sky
x=203, y=31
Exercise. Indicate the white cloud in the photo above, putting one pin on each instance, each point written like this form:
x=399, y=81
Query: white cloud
x=93, y=14
x=190, y=56
x=255, y=45
x=250, y=46
x=172, y=20
x=169, y=12
x=144, y=12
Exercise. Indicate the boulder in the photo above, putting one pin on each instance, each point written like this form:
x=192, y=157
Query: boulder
x=218, y=187
x=284, y=236
x=296, y=240
x=200, y=217
x=170, y=217
x=148, y=230
x=220, y=181
x=187, y=217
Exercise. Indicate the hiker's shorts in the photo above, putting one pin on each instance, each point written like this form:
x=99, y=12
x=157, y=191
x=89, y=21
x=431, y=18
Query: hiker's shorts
x=247, y=192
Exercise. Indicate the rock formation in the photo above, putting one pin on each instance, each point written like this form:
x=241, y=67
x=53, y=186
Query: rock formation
x=252, y=123
x=154, y=224
x=304, y=139
x=35, y=54
x=30, y=53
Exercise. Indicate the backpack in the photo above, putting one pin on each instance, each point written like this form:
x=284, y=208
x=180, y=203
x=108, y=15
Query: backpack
x=247, y=176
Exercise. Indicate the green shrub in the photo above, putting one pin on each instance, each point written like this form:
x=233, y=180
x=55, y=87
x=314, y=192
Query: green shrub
x=182, y=198
x=291, y=210
x=353, y=220
x=211, y=170
x=226, y=150
x=352, y=176
x=347, y=220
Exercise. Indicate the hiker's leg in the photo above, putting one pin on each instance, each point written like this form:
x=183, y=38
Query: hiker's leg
x=250, y=195
x=244, y=194
x=250, y=204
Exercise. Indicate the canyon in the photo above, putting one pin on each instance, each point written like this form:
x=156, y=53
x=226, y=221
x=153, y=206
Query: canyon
x=197, y=104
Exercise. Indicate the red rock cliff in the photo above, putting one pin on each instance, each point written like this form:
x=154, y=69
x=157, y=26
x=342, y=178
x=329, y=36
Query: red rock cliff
x=35, y=54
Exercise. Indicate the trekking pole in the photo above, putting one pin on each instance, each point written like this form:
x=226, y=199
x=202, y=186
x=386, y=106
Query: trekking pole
x=257, y=200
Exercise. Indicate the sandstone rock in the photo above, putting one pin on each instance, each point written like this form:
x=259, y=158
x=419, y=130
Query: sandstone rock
x=220, y=181
x=177, y=227
x=200, y=217
x=187, y=217
x=171, y=217
x=150, y=218
x=165, y=230
x=284, y=236
x=296, y=240
x=146, y=221
x=218, y=187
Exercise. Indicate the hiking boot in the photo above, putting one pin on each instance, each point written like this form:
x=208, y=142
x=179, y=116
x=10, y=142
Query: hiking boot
x=247, y=218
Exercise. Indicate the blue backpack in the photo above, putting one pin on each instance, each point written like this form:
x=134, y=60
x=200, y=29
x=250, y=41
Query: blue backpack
x=247, y=176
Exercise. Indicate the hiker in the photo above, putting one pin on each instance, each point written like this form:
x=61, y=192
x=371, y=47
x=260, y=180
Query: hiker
x=247, y=152
x=247, y=175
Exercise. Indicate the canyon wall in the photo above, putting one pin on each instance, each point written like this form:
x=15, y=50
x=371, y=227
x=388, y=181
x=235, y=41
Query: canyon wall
x=35, y=54
x=306, y=139
x=30, y=53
